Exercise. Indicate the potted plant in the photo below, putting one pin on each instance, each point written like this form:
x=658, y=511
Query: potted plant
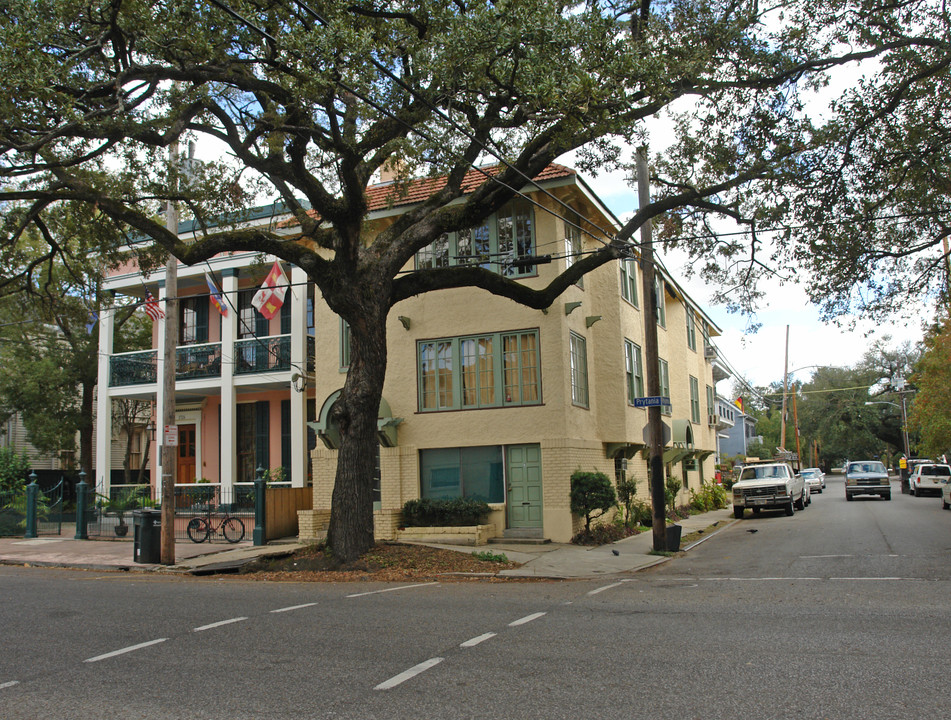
x=121, y=503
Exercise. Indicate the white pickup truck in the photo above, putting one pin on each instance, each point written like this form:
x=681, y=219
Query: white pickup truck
x=768, y=485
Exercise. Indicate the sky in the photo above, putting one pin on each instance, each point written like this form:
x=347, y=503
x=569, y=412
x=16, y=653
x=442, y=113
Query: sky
x=759, y=355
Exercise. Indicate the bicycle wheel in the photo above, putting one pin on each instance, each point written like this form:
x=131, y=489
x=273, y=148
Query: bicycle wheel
x=198, y=530
x=233, y=529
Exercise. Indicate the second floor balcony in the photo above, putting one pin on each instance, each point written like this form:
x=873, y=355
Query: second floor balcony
x=254, y=355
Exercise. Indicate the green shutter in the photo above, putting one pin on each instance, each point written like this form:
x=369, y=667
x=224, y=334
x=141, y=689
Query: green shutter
x=262, y=430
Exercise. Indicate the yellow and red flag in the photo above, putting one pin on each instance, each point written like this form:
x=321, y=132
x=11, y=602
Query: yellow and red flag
x=270, y=297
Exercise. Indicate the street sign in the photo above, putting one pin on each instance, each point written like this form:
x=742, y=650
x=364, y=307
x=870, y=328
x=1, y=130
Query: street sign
x=651, y=401
x=171, y=435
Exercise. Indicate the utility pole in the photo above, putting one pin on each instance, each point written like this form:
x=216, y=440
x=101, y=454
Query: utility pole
x=652, y=360
x=169, y=452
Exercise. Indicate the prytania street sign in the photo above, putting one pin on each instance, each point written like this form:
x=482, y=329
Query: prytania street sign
x=651, y=401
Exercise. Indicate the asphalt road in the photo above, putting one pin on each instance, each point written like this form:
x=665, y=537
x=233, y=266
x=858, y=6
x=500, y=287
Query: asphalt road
x=837, y=612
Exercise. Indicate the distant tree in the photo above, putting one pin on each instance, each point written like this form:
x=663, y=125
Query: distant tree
x=129, y=416
x=930, y=410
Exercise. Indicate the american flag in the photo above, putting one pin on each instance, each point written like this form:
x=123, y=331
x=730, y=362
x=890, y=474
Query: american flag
x=152, y=308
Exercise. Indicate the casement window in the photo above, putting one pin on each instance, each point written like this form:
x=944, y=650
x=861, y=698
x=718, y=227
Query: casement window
x=691, y=328
x=629, y=281
x=661, y=301
x=694, y=399
x=470, y=372
x=664, y=373
x=573, y=242
x=344, y=345
x=193, y=319
x=466, y=472
x=710, y=401
x=579, y=370
x=504, y=236
x=634, y=369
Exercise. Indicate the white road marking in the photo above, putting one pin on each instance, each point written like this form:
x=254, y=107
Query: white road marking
x=408, y=674
x=4, y=686
x=815, y=557
x=813, y=579
x=606, y=587
x=526, y=619
x=218, y=624
x=476, y=640
x=123, y=651
x=293, y=607
x=401, y=587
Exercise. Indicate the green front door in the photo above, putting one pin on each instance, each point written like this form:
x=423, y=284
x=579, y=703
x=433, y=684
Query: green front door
x=524, y=497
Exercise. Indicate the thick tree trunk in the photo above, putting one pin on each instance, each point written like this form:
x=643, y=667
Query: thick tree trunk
x=351, y=516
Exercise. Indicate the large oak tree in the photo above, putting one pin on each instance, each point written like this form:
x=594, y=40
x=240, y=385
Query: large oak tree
x=310, y=98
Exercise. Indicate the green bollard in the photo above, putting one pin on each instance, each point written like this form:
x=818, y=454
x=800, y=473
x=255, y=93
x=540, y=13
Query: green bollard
x=82, y=489
x=258, y=536
x=32, y=494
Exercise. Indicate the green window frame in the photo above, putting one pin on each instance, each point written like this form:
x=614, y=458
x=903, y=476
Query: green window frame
x=578, y=355
x=573, y=242
x=462, y=472
x=664, y=373
x=694, y=399
x=661, y=301
x=634, y=370
x=505, y=235
x=710, y=401
x=629, y=281
x=469, y=372
x=344, y=345
x=691, y=328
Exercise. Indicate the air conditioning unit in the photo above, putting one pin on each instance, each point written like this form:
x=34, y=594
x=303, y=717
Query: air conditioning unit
x=709, y=352
x=712, y=419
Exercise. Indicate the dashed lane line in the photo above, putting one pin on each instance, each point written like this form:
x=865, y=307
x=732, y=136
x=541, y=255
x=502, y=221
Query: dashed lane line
x=401, y=587
x=526, y=619
x=211, y=626
x=408, y=674
x=293, y=607
x=4, y=686
x=123, y=651
x=472, y=642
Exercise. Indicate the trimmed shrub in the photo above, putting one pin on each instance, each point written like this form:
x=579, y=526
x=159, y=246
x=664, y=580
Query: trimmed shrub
x=592, y=495
x=601, y=534
x=671, y=488
x=626, y=495
x=458, y=512
x=708, y=497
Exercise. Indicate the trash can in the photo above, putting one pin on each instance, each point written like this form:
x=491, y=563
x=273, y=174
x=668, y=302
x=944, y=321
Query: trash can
x=147, y=535
x=673, y=538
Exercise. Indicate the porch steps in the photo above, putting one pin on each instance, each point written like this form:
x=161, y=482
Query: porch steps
x=517, y=536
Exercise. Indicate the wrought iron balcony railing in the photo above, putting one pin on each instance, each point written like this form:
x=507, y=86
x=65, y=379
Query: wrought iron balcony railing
x=270, y=354
x=133, y=368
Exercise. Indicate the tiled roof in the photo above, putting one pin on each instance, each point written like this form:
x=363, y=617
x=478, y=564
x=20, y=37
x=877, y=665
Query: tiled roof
x=385, y=195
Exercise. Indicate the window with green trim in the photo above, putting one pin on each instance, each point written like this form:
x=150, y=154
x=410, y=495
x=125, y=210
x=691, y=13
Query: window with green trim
x=664, y=373
x=694, y=399
x=661, y=301
x=463, y=472
x=504, y=236
x=478, y=371
x=573, y=241
x=691, y=328
x=344, y=344
x=629, y=281
x=710, y=409
x=579, y=370
x=634, y=369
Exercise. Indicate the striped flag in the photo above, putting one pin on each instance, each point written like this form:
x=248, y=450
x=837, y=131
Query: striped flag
x=215, y=295
x=152, y=308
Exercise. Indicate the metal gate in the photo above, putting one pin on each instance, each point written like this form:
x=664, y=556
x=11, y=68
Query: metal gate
x=49, y=510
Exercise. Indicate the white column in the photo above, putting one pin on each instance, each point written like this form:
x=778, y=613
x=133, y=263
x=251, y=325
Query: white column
x=159, y=395
x=299, y=365
x=104, y=399
x=227, y=443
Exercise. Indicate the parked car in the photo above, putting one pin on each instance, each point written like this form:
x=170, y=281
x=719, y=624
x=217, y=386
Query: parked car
x=815, y=479
x=946, y=495
x=771, y=486
x=929, y=479
x=867, y=477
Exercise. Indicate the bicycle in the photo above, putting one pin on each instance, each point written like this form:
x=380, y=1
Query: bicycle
x=200, y=528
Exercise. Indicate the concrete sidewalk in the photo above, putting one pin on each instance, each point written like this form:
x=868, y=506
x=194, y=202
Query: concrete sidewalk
x=540, y=561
